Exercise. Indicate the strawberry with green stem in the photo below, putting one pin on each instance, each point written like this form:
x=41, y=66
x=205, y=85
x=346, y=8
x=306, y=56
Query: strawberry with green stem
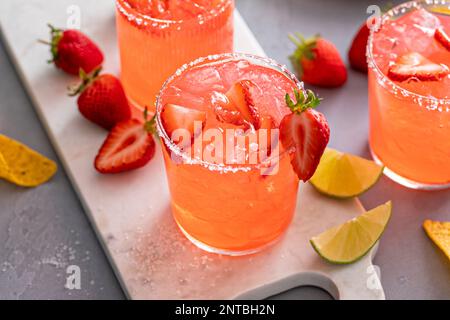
x=318, y=62
x=304, y=133
x=102, y=99
x=73, y=51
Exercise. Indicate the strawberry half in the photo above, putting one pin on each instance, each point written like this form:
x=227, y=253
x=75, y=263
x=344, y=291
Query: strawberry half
x=318, y=62
x=415, y=65
x=73, y=51
x=129, y=145
x=175, y=117
x=357, y=52
x=102, y=99
x=241, y=101
x=305, y=133
x=442, y=37
x=228, y=114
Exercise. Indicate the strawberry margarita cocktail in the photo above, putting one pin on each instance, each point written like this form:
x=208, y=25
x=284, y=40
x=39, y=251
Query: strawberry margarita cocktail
x=235, y=147
x=409, y=94
x=157, y=36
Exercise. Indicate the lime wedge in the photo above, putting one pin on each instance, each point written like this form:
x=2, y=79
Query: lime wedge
x=343, y=175
x=352, y=240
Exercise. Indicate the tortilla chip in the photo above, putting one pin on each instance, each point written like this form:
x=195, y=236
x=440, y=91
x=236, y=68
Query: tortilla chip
x=439, y=232
x=22, y=165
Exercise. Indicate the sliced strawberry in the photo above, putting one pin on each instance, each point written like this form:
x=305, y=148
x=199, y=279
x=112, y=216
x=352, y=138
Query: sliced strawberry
x=128, y=146
x=305, y=133
x=240, y=98
x=415, y=65
x=225, y=112
x=442, y=37
x=177, y=117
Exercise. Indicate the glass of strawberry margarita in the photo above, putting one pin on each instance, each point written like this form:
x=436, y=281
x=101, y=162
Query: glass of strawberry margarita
x=409, y=96
x=157, y=36
x=222, y=200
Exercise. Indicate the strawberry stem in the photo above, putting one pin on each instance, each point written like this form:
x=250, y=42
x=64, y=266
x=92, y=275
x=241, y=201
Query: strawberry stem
x=303, y=101
x=149, y=125
x=55, y=37
x=48, y=43
x=304, y=50
x=86, y=80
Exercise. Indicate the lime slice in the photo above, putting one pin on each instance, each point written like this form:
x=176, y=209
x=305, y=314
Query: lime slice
x=350, y=241
x=343, y=175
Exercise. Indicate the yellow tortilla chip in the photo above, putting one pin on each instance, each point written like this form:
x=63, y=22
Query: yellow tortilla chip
x=4, y=168
x=22, y=165
x=439, y=232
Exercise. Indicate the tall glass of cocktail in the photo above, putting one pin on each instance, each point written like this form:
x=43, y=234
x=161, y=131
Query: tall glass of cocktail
x=409, y=94
x=158, y=36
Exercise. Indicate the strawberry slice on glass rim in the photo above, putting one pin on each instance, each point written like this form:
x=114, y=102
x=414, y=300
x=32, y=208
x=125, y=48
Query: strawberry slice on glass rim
x=413, y=65
x=304, y=133
x=177, y=120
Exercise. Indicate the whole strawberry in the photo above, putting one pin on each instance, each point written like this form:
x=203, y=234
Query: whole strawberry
x=73, y=51
x=357, y=52
x=102, y=99
x=317, y=62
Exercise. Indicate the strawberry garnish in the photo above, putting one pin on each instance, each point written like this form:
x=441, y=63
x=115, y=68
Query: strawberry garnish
x=129, y=145
x=175, y=117
x=317, y=62
x=73, y=51
x=442, y=37
x=414, y=65
x=240, y=100
x=102, y=99
x=226, y=113
x=304, y=133
x=357, y=52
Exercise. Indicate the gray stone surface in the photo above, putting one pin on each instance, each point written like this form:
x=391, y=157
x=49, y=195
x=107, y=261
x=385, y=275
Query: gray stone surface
x=44, y=230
